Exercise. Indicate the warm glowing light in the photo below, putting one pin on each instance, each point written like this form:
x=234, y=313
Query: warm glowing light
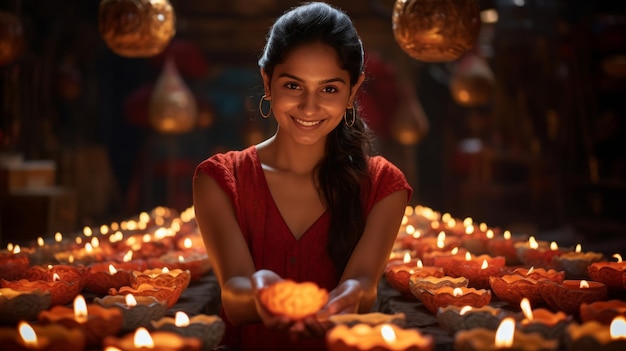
x=406, y=258
x=489, y=16
x=468, y=256
x=489, y=234
x=16, y=249
x=87, y=231
x=618, y=328
x=409, y=229
x=130, y=300
x=468, y=221
x=441, y=239
x=181, y=319
x=40, y=242
x=530, y=270
x=88, y=248
x=143, y=339
x=578, y=248
x=465, y=309
x=533, y=243
x=457, y=292
x=584, y=284
x=505, y=332
x=408, y=211
x=554, y=246
x=618, y=257
x=420, y=264
x=104, y=229
x=525, y=306
x=483, y=227
x=484, y=265
x=454, y=250
x=388, y=334
x=165, y=270
x=446, y=217
x=147, y=238
x=507, y=235
x=469, y=230
x=112, y=269
x=451, y=223
x=27, y=333
x=128, y=256
x=10, y=247
x=95, y=242
x=416, y=234
x=78, y=240
x=80, y=309
x=55, y=277
x=58, y=237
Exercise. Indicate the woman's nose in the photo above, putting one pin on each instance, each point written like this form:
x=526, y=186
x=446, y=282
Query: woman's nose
x=309, y=103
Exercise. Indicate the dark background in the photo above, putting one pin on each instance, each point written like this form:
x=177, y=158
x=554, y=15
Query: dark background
x=545, y=155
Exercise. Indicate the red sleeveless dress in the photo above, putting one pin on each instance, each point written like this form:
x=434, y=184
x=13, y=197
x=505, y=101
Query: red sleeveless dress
x=271, y=243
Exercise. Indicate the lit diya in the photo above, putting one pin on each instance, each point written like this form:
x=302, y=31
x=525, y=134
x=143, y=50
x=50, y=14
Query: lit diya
x=506, y=337
x=597, y=336
x=105, y=276
x=602, y=311
x=382, y=337
x=197, y=264
x=420, y=285
x=504, y=245
x=460, y=296
x=13, y=264
x=428, y=258
x=137, y=311
x=295, y=300
x=65, y=272
x=372, y=318
x=610, y=273
x=569, y=295
x=398, y=275
x=478, y=275
x=476, y=238
x=22, y=305
x=94, y=321
x=442, y=242
x=545, y=322
x=575, y=263
x=454, y=318
x=41, y=337
x=142, y=340
x=540, y=274
x=208, y=328
x=168, y=294
x=537, y=253
x=61, y=291
x=176, y=278
x=512, y=288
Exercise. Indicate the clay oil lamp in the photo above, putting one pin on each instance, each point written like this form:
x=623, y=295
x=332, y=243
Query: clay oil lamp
x=597, y=336
x=13, y=263
x=177, y=278
x=22, y=305
x=137, y=311
x=65, y=272
x=575, y=263
x=602, y=311
x=441, y=242
x=209, y=329
x=371, y=318
x=512, y=288
x=145, y=246
x=454, y=318
x=569, y=295
x=540, y=274
x=61, y=291
x=446, y=296
x=454, y=226
x=126, y=262
x=383, y=337
x=398, y=275
x=190, y=242
x=41, y=337
x=104, y=276
x=537, y=253
x=407, y=236
x=428, y=258
x=142, y=340
x=610, y=273
x=401, y=256
x=421, y=285
x=197, y=264
x=476, y=238
x=550, y=325
x=169, y=295
x=479, y=269
x=504, y=245
x=505, y=337
x=95, y=321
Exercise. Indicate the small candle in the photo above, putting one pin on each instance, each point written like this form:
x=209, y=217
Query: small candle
x=446, y=296
x=597, y=336
x=506, y=337
x=540, y=274
x=550, y=325
x=142, y=340
x=137, y=311
x=569, y=295
x=209, y=329
x=383, y=337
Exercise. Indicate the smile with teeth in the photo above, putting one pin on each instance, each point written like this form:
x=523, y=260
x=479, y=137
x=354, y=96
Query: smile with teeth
x=306, y=123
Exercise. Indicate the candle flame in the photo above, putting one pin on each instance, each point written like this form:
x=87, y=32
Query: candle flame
x=618, y=328
x=87, y=231
x=143, y=339
x=27, y=333
x=165, y=270
x=554, y=246
x=40, y=242
x=388, y=334
x=532, y=268
x=532, y=242
x=80, y=309
x=525, y=306
x=441, y=240
x=484, y=265
x=420, y=264
x=58, y=237
x=469, y=230
x=505, y=332
x=55, y=277
x=416, y=234
x=147, y=238
x=112, y=269
x=451, y=223
x=454, y=251
x=468, y=221
x=465, y=309
x=468, y=256
x=16, y=249
x=130, y=300
x=95, y=242
x=181, y=258
x=187, y=243
x=618, y=257
x=128, y=256
x=457, y=292
x=489, y=234
x=181, y=319
x=579, y=248
x=507, y=235
x=406, y=258
x=584, y=284
x=88, y=248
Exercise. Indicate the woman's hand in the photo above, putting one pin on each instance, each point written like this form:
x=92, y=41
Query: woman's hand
x=260, y=280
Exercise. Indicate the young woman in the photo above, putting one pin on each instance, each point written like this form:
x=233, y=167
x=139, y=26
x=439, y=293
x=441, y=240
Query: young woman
x=308, y=204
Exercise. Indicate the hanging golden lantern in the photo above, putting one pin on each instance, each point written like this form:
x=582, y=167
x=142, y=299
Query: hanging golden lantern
x=472, y=83
x=436, y=30
x=173, y=108
x=11, y=37
x=136, y=28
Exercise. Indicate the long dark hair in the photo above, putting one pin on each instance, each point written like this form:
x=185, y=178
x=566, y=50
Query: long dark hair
x=343, y=172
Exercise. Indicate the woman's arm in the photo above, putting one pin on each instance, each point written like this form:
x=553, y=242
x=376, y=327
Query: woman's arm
x=226, y=248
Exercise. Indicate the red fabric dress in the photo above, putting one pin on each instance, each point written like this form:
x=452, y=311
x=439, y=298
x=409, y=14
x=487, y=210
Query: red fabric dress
x=272, y=245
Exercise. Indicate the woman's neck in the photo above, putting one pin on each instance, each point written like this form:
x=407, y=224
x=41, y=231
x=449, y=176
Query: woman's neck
x=287, y=156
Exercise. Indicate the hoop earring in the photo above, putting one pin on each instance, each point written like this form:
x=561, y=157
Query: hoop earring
x=345, y=117
x=265, y=115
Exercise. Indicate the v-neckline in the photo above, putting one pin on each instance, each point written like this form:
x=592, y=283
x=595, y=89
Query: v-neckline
x=274, y=205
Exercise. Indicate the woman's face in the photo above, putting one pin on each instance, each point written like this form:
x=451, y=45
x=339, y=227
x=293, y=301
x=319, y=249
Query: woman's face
x=310, y=93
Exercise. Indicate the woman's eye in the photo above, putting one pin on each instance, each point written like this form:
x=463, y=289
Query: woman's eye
x=329, y=90
x=291, y=86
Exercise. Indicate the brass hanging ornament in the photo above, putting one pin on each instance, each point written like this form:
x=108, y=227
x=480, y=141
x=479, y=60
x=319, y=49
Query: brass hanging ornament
x=136, y=28
x=436, y=30
x=11, y=37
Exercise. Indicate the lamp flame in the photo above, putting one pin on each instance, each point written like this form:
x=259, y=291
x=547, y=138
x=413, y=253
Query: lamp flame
x=584, y=284
x=128, y=256
x=143, y=339
x=532, y=242
x=80, y=309
x=181, y=319
x=554, y=246
x=187, y=243
x=454, y=251
x=489, y=234
x=420, y=264
x=468, y=256
x=130, y=300
x=526, y=309
x=507, y=235
x=465, y=309
x=618, y=328
x=484, y=265
x=505, y=332
x=406, y=258
x=441, y=240
x=457, y=292
x=55, y=277
x=388, y=334
x=530, y=270
x=618, y=257
x=27, y=333
x=112, y=269
x=578, y=248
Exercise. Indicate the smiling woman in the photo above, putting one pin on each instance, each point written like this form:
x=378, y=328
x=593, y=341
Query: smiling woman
x=310, y=204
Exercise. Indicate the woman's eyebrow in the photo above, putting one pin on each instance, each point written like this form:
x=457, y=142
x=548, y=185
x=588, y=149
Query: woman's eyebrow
x=325, y=81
